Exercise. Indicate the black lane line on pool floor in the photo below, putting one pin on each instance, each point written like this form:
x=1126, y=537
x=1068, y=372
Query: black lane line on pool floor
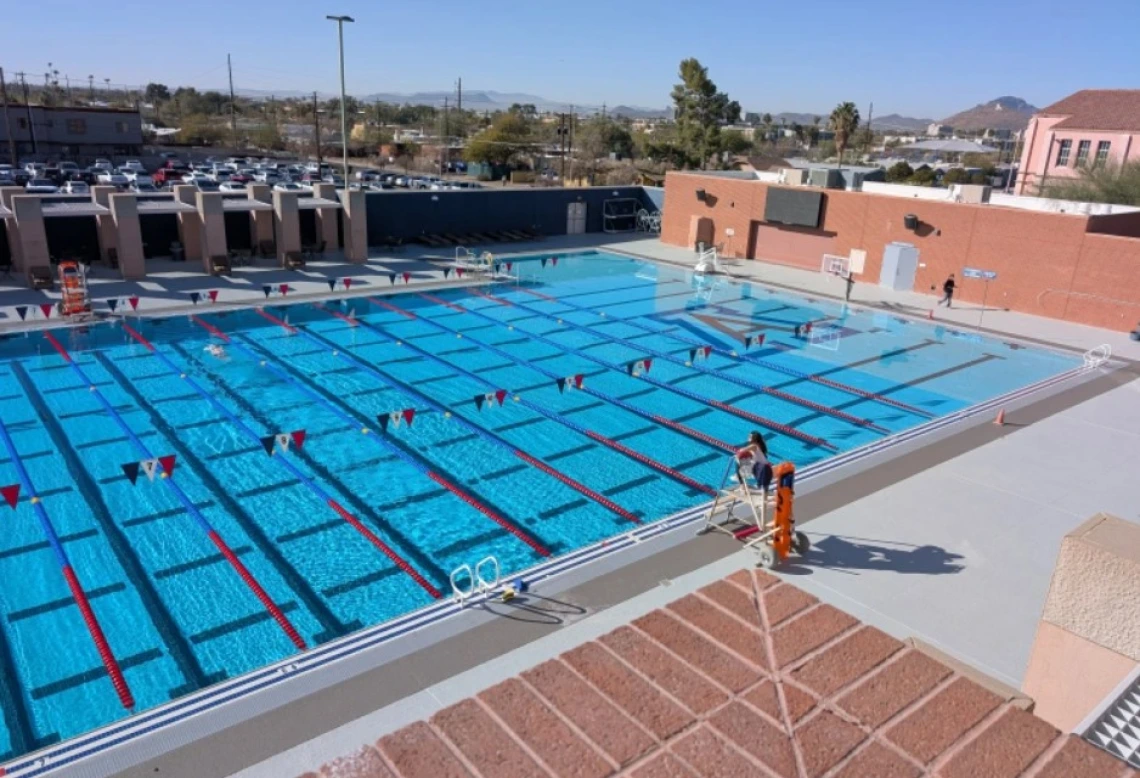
x=193, y=674
x=332, y=626
x=301, y=376
x=408, y=550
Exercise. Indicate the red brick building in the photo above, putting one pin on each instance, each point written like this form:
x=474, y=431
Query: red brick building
x=1078, y=268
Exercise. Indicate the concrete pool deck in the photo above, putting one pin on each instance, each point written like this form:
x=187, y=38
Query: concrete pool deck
x=886, y=542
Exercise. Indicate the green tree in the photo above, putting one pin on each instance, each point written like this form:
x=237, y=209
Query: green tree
x=844, y=121
x=924, y=176
x=734, y=142
x=200, y=129
x=700, y=111
x=899, y=172
x=505, y=141
x=955, y=175
x=156, y=93
x=1100, y=183
x=266, y=136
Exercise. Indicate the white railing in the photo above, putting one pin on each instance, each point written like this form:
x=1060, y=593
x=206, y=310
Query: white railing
x=485, y=578
x=1098, y=356
x=708, y=262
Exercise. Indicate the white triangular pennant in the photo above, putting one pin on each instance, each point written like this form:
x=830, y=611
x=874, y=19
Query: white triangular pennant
x=150, y=467
x=283, y=440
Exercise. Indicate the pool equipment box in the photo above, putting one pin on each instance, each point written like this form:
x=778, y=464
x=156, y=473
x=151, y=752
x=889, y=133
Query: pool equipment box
x=900, y=262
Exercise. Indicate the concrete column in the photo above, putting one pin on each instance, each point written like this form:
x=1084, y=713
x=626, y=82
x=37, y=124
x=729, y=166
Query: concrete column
x=125, y=213
x=6, y=195
x=355, y=225
x=189, y=224
x=261, y=227
x=213, y=232
x=287, y=224
x=327, y=218
x=108, y=240
x=29, y=219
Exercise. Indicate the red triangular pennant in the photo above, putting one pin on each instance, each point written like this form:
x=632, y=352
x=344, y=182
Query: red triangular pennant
x=459, y=272
x=760, y=340
x=298, y=438
x=707, y=350
x=213, y=295
x=347, y=283
x=648, y=363
x=134, y=301
x=807, y=327
x=501, y=395
x=578, y=379
x=407, y=278
x=46, y=308
x=409, y=414
x=554, y=261
x=168, y=463
x=284, y=289
x=509, y=266
x=11, y=494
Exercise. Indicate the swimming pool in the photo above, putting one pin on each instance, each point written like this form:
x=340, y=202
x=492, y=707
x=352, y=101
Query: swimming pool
x=418, y=432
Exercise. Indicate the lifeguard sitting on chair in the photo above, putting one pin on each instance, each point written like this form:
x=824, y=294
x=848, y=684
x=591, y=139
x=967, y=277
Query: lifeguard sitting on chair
x=753, y=459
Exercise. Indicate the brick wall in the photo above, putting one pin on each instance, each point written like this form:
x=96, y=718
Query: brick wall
x=1064, y=266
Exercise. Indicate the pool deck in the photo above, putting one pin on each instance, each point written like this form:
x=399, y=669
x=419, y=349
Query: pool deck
x=912, y=547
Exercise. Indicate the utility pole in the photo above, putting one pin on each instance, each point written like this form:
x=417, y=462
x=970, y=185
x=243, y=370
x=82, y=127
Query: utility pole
x=90, y=89
x=562, y=132
x=459, y=95
x=28, y=109
x=233, y=113
x=442, y=137
x=317, y=132
x=870, y=134
x=7, y=123
x=340, y=20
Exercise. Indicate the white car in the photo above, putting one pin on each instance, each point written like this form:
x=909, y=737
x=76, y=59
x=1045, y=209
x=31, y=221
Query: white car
x=132, y=165
x=220, y=175
x=103, y=164
x=194, y=178
x=230, y=186
x=140, y=179
x=76, y=187
x=132, y=174
x=289, y=186
x=267, y=176
x=41, y=186
x=112, y=178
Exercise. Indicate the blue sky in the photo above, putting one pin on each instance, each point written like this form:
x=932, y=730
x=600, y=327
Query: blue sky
x=917, y=59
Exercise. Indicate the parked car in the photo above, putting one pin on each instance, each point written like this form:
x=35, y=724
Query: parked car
x=195, y=178
x=231, y=186
x=367, y=174
x=76, y=187
x=289, y=186
x=132, y=165
x=144, y=188
x=69, y=170
x=139, y=179
x=337, y=181
x=401, y=181
x=206, y=185
x=41, y=186
x=266, y=176
x=113, y=178
x=103, y=164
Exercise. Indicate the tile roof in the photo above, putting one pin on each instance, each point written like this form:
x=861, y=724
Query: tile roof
x=1098, y=109
x=749, y=676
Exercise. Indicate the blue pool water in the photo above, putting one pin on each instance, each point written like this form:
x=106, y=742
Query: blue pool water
x=362, y=523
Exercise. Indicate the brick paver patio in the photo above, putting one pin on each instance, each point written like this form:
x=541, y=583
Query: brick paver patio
x=747, y=677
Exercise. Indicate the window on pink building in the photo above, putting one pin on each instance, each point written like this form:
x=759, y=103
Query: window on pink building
x=1083, y=152
x=1102, y=151
x=1063, y=153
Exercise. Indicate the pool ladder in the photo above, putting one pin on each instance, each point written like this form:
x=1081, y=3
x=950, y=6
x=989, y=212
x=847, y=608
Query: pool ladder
x=479, y=580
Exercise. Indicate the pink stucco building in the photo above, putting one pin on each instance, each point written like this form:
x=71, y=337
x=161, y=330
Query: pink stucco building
x=1093, y=126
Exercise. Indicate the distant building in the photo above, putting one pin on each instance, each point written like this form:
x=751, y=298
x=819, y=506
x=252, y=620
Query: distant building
x=745, y=130
x=1090, y=127
x=74, y=134
x=936, y=130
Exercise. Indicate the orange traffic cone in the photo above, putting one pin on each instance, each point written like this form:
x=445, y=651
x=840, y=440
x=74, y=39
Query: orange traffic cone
x=1000, y=420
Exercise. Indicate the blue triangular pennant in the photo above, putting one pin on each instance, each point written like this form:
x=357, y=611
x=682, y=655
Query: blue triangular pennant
x=22, y=311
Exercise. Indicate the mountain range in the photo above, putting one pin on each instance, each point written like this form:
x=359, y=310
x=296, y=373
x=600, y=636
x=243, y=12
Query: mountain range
x=1003, y=113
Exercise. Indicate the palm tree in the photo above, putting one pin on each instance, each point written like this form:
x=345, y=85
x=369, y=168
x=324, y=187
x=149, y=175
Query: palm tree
x=844, y=121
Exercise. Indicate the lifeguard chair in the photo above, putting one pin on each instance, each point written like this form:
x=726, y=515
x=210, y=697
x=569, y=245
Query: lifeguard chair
x=772, y=541
x=76, y=301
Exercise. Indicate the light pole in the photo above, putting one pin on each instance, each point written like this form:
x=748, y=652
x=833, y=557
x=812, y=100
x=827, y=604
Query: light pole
x=340, y=20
